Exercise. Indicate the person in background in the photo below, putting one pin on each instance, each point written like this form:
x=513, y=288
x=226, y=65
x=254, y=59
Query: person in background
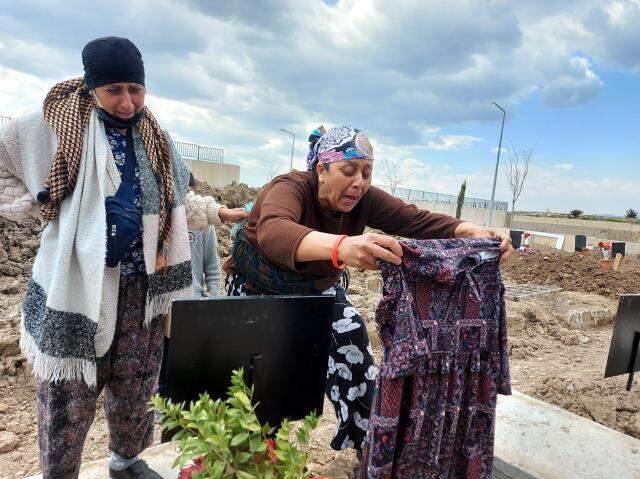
x=205, y=262
x=205, y=269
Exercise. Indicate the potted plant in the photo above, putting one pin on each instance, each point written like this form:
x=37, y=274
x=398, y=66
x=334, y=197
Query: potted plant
x=224, y=439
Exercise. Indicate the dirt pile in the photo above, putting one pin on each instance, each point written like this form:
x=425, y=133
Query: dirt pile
x=573, y=272
x=232, y=196
x=19, y=243
x=559, y=315
x=607, y=404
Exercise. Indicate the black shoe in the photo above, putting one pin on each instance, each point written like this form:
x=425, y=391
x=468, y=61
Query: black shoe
x=137, y=470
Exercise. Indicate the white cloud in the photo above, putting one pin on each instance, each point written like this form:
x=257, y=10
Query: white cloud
x=273, y=144
x=564, y=166
x=616, y=35
x=557, y=191
x=231, y=74
x=503, y=150
x=20, y=92
x=576, y=86
x=452, y=142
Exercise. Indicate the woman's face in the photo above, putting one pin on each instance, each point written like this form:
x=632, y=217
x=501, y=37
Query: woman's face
x=343, y=183
x=122, y=100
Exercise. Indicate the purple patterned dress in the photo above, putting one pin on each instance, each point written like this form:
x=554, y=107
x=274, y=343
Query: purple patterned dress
x=443, y=329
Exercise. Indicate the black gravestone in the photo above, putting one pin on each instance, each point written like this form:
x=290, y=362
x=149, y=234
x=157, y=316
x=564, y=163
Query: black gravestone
x=624, y=357
x=282, y=342
x=617, y=248
x=581, y=242
x=516, y=238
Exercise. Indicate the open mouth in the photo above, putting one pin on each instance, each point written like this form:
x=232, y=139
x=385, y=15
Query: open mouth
x=350, y=199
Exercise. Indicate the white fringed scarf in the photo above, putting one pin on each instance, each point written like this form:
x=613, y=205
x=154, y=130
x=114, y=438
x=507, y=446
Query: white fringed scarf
x=69, y=312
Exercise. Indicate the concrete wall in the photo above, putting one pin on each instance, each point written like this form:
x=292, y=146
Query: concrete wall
x=217, y=175
x=479, y=216
x=606, y=230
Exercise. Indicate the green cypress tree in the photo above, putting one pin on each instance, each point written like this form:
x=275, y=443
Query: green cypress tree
x=463, y=190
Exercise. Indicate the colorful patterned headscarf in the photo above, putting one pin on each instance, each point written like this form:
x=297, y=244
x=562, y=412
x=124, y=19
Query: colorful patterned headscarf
x=340, y=143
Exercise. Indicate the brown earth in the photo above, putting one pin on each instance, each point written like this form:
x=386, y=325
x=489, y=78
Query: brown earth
x=550, y=358
x=573, y=272
x=232, y=196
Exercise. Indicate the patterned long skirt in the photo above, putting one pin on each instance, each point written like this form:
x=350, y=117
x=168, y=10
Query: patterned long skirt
x=351, y=375
x=129, y=375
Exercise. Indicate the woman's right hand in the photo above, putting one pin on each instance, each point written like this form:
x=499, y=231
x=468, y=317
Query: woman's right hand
x=232, y=215
x=362, y=251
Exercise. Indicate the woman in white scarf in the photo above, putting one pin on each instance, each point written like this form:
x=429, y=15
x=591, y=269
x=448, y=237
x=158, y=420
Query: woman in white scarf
x=86, y=326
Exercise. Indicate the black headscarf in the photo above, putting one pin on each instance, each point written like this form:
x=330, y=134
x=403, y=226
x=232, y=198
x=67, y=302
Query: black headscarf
x=112, y=60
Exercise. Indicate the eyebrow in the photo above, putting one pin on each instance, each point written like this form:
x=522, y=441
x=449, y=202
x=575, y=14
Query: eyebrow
x=128, y=87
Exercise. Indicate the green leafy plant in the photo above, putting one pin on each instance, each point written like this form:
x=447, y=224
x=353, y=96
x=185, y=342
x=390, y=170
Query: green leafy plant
x=631, y=213
x=225, y=439
x=575, y=213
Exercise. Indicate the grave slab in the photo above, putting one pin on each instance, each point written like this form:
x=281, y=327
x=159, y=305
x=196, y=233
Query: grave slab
x=534, y=440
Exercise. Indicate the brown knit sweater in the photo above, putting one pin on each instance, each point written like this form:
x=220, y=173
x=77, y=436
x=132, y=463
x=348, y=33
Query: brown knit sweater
x=287, y=209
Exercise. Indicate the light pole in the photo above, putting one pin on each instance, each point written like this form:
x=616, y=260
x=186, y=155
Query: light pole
x=495, y=175
x=293, y=144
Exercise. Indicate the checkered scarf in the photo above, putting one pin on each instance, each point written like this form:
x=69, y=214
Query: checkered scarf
x=67, y=108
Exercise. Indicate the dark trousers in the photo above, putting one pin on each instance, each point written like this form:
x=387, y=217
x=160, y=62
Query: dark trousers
x=128, y=373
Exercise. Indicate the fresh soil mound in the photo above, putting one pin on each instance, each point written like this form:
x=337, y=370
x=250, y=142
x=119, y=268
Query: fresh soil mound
x=573, y=272
x=232, y=196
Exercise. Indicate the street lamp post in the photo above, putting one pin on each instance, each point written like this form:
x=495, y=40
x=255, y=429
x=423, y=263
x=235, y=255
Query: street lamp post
x=495, y=175
x=293, y=144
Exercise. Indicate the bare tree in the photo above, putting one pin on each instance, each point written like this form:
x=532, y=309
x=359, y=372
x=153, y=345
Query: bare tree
x=391, y=175
x=274, y=168
x=517, y=170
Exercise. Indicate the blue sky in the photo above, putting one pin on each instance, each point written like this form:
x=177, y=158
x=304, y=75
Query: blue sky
x=418, y=76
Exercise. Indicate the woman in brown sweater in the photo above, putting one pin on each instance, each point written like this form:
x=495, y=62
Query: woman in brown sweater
x=306, y=227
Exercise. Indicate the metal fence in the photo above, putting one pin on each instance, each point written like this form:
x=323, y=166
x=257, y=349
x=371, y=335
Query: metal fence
x=189, y=151
x=201, y=153
x=441, y=198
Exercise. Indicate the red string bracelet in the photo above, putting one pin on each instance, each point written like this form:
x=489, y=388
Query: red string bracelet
x=334, y=253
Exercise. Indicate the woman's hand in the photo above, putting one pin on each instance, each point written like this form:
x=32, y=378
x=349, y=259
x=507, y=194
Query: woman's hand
x=362, y=251
x=232, y=215
x=468, y=230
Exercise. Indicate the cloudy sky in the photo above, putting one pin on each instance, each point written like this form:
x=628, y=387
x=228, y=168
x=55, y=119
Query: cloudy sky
x=417, y=76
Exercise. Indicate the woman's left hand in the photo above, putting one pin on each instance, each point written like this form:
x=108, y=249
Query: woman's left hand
x=469, y=230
